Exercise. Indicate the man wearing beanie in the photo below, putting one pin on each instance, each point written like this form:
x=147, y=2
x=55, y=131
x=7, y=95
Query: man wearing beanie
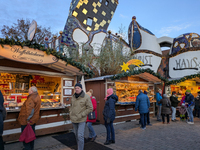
x=81, y=106
x=189, y=102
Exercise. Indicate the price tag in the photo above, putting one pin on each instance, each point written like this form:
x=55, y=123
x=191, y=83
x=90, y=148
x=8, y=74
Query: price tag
x=16, y=107
x=7, y=108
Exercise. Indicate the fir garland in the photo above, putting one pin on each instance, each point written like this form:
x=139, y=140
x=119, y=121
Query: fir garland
x=136, y=72
x=183, y=79
x=59, y=55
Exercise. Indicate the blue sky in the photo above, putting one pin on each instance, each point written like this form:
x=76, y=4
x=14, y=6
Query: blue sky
x=163, y=18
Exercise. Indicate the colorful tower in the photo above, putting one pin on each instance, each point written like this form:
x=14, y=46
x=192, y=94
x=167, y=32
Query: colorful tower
x=87, y=23
x=144, y=45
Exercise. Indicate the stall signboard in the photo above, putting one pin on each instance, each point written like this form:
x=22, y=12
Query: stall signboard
x=32, y=30
x=150, y=61
x=184, y=64
x=26, y=55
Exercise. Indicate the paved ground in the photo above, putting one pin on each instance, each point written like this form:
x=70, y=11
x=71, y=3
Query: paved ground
x=174, y=136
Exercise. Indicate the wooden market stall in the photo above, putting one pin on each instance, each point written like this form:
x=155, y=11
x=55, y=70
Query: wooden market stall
x=21, y=68
x=126, y=88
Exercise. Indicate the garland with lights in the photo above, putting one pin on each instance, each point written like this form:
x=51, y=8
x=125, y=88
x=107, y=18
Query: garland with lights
x=59, y=55
x=136, y=72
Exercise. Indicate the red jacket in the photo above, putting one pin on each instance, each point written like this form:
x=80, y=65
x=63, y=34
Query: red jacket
x=94, y=103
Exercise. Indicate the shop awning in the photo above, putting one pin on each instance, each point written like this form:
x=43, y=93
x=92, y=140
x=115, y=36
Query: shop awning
x=146, y=76
x=149, y=77
x=68, y=70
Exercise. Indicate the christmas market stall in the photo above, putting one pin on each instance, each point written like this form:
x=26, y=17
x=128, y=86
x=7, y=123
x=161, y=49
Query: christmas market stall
x=23, y=64
x=184, y=65
x=126, y=86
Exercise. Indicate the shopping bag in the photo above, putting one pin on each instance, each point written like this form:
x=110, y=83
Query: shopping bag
x=91, y=115
x=27, y=135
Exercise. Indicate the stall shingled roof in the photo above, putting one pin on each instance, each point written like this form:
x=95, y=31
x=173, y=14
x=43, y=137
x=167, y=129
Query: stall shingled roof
x=146, y=74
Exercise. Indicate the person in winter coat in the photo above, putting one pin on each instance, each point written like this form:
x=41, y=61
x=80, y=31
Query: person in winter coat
x=81, y=106
x=142, y=104
x=109, y=115
x=148, y=118
x=174, y=104
x=159, y=105
x=182, y=103
x=166, y=104
x=1, y=121
x=92, y=134
x=197, y=105
x=29, y=113
x=189, y=102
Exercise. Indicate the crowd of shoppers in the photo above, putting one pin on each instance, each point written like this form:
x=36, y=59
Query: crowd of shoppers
x=84, y=104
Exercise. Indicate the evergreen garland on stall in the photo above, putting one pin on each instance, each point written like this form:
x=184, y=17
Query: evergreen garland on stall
x=136, y=72
x=35, y=45
x=183, y=79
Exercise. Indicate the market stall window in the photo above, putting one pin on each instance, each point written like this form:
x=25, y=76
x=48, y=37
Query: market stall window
x=181, y=88
x=14, y=88
x=127, y=92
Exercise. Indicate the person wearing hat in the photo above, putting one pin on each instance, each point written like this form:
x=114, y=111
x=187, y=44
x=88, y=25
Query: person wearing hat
x=197, y=105
x=189, y=102
x=92, y=134
x=174, y=104
x=159, y=105
x=81, y=106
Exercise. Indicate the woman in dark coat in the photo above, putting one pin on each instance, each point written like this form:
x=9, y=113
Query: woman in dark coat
x=109, y=115
x=1, y=121
x=166, y=104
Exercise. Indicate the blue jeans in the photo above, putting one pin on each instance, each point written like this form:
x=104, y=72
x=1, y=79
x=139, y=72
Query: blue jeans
x=143, y=119
x=110, y=131
x=173, y=113
x=190, y=112
x=91, y=130
x=79, y=129
x=30, y=145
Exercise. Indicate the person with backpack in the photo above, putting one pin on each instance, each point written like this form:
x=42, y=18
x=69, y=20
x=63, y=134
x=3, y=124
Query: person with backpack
x=2, y=118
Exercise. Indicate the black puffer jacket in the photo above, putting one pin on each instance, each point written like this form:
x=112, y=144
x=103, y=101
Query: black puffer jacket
x=174, y=101
x=109, y=108
x=1, y=114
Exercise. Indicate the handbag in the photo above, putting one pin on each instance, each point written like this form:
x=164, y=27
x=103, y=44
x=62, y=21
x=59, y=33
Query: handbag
x=27, y=135
x=91, y=115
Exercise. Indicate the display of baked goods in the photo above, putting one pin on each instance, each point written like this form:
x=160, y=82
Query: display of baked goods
x=127, y=92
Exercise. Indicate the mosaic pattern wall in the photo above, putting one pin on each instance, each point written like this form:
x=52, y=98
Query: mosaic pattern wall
x=90, y=16
x=185, y=41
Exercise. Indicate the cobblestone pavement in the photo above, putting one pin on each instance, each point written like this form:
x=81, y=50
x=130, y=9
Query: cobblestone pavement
x=174, y=136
